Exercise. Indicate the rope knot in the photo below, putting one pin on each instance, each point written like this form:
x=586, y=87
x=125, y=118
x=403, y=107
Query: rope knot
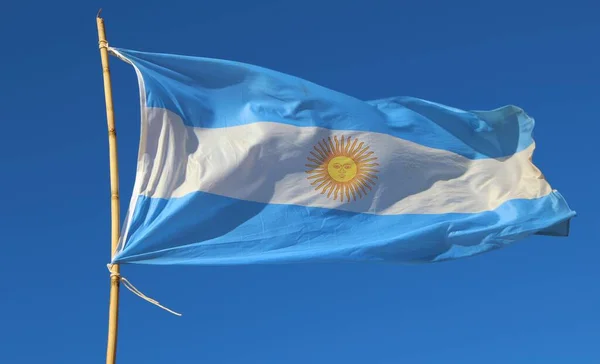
x=136, y=291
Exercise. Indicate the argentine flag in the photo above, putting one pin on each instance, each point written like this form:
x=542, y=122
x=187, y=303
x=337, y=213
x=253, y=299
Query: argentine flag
x=240, y=164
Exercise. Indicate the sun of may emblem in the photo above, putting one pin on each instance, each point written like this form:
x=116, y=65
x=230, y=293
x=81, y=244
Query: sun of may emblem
x=343, y=168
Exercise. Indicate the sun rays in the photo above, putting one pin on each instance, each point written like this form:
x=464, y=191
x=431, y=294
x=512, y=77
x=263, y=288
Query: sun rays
x=343, y=168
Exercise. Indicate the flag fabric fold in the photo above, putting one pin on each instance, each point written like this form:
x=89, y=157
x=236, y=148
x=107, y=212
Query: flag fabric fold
x=240, y=164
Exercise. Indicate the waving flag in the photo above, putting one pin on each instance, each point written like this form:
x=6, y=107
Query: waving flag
x=239, y=164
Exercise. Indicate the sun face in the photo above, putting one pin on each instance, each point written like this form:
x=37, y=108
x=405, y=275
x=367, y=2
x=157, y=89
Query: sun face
x=343, y=168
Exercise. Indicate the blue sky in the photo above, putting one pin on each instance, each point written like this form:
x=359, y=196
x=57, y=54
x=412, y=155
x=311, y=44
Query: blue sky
x=534, y=302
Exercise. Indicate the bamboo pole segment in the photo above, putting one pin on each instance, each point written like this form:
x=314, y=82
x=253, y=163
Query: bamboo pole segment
x=113, y=313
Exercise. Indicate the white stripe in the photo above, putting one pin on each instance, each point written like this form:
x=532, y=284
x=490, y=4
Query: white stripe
x=265, y=162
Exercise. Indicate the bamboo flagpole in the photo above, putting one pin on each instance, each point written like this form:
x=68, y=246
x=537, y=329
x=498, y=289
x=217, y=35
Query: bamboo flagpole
x=113, y=314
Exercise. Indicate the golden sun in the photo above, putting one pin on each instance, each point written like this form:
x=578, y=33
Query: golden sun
x=342, y=168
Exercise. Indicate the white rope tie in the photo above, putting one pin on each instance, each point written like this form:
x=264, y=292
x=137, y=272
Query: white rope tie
x=137, y=292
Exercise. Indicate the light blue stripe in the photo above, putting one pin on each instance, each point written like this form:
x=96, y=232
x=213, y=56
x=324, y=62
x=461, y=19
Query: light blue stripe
x=203, y=228
x=213, y=93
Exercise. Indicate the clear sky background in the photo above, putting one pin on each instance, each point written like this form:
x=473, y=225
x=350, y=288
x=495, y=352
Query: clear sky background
x=534, y=302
